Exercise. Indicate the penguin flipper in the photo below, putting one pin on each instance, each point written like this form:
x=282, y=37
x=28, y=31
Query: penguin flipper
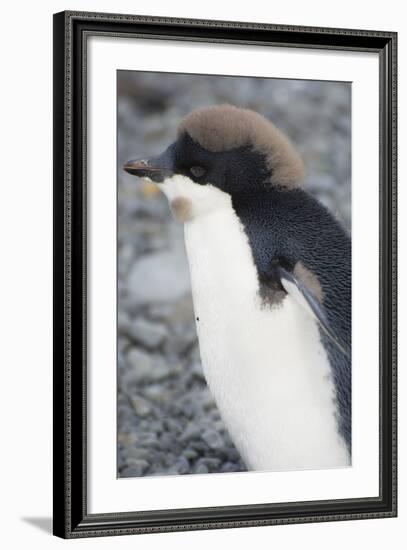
x=306, y=299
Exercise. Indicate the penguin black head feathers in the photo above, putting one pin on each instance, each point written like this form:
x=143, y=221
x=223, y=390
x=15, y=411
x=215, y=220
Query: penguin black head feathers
x=225, y=128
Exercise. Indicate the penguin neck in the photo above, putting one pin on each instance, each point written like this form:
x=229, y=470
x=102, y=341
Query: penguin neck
x=266, y=367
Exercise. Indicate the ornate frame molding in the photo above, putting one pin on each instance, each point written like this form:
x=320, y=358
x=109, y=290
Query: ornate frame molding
x=71, y=30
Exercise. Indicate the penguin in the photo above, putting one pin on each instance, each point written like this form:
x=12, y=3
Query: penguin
x=270, y=271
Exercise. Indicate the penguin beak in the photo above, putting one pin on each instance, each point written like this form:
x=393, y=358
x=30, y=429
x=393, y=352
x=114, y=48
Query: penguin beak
x=140, y=167
x=156, y=169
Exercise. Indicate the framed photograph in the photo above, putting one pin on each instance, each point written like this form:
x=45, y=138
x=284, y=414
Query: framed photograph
x=224, y=274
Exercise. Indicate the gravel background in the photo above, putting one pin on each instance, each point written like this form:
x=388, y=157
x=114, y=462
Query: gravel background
x=167, y=420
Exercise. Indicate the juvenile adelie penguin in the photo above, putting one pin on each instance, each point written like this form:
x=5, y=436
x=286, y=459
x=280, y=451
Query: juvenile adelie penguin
x=271, y=283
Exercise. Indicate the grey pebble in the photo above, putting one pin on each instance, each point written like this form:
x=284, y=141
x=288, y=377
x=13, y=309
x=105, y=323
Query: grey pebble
x=139, y=465
x=160, y=312
x=167, y=441
x=207, y=399
x=212, y=464
x=161, y=371
x=213, y=439
x=232, y=454
x=140, y=365
x=156, y=425
x=145, y=367
x=190, y=454
x=172, y=424
x=144, y=425
x=149, y=440
x=190, y=409
x=169, y=459
x=159, y=277
x=155, y=392
x=182, y=465
x=138, y=453
x=192, y=431
x=181, y=340
x=199, y=446
x=140, y=405
x=148, y=334
x=196, y=371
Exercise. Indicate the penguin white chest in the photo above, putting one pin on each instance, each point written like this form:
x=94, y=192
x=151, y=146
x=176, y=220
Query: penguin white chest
x=265, y=366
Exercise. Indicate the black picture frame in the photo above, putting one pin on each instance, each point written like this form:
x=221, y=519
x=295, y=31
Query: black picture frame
x=71, y=518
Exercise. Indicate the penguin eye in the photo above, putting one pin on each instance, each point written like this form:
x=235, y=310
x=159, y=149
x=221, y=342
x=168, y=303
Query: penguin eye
x=197, y=171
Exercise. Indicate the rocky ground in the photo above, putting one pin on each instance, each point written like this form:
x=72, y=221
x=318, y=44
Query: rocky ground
x=167, y=420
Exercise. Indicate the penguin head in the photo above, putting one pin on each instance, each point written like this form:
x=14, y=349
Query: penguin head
x=220, y=152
